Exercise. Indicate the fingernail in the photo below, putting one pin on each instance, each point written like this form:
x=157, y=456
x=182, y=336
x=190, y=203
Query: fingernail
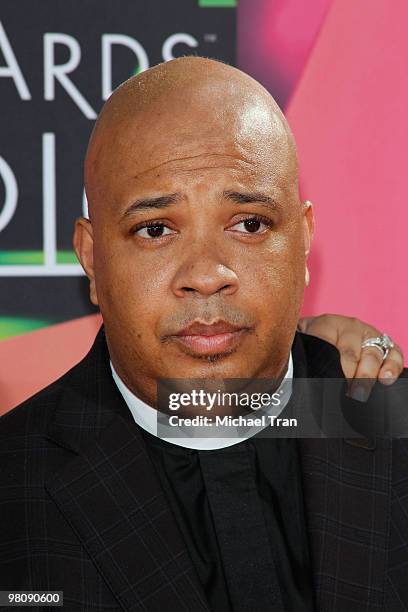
x=359, y=393
x=388, y=377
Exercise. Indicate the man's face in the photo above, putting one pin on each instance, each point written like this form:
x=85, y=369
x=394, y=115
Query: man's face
x=197, y=224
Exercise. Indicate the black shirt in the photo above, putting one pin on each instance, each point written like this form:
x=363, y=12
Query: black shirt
x=240, y=511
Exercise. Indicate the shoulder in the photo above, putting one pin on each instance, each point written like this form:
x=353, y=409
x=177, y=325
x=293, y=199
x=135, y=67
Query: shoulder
x=319, y=358
x=26, y=454
x=33, y=414
x=31, y=417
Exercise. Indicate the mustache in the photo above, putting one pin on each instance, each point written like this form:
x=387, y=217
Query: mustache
x=230, y=314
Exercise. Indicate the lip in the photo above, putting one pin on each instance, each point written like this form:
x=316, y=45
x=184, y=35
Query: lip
x=203, y=339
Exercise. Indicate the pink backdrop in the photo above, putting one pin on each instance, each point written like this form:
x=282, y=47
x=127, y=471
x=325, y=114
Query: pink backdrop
x=349, y=115
x=339, y=69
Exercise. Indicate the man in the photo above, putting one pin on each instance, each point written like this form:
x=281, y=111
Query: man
x=196, y=252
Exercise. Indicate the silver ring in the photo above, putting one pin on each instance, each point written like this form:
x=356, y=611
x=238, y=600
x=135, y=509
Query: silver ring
x=383, y=343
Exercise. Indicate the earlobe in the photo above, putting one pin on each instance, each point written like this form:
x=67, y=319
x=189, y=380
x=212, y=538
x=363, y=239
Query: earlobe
x=308, y=225
x=83, y=245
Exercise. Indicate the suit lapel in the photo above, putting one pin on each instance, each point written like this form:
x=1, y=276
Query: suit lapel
x=346, y=486
x=108, y=491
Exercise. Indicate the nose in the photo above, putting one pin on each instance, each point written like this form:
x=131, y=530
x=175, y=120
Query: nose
x=203, y=273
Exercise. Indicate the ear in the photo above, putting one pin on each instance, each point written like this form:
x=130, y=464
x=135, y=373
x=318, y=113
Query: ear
x=83, y=245
x=308, y=231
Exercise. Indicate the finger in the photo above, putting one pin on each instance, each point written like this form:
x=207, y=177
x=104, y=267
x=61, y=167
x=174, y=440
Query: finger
x=349, y=347
x=366, y=374
x=349, y=359
x=327, y=327
x=392, y=366
x=304, y=323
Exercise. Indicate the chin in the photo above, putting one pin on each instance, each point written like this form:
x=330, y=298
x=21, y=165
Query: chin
x=216, y=365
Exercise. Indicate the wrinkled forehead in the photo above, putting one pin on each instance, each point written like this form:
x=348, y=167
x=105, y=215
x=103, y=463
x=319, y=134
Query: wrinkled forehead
x=207, y=129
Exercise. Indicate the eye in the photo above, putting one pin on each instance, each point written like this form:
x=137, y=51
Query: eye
x=253, y=225
x=152, y=230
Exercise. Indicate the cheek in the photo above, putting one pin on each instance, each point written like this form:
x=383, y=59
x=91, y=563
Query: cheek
x=130, y=291
x=277, y=295
x=277, y=272
x=134, y=292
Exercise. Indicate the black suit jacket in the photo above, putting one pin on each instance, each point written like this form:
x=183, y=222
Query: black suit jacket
x=82, y=510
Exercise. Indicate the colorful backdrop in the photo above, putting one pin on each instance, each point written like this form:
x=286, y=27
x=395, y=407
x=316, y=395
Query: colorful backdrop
x=337, y=67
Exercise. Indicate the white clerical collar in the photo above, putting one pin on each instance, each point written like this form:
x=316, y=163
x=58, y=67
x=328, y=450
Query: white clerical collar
x=146, y=416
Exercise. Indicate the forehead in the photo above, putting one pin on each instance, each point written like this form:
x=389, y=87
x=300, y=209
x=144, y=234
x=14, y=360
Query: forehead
x=159, y=149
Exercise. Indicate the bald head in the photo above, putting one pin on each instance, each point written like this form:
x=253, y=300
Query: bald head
x=189, y=101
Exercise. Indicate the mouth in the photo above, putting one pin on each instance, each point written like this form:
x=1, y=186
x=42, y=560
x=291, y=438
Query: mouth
x=219, y=338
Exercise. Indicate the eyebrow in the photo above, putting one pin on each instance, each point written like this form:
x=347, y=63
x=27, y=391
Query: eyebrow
x=165, y=201
x=252, y=197
x=149, y=203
